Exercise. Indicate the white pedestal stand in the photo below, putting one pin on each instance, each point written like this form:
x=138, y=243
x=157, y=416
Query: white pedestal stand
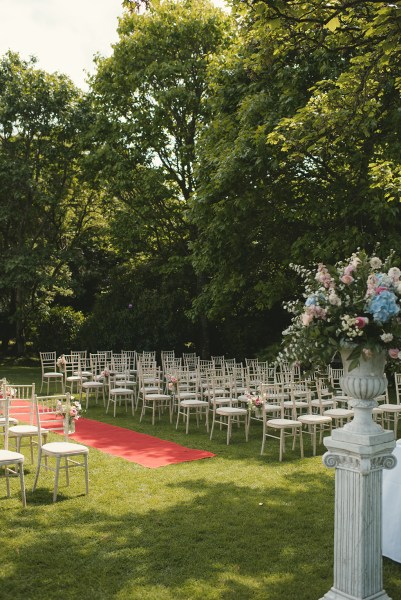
x=359, y=452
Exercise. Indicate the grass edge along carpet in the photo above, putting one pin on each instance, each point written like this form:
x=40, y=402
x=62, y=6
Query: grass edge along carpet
x=141, y=448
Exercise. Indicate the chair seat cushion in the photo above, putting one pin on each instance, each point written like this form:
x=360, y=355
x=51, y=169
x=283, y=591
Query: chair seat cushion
x=23, y=430
x=188, y=403
x=390, y=407
x=282, y=423
x=60, y=448
x=11, y=421
x=231, y=410
x=8, y=455
x=314, y=419
x=53, y=375
x=121, y=391
x=339, y=412
x=92, y=384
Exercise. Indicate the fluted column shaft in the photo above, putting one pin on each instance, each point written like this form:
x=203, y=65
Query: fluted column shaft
x=358, y=513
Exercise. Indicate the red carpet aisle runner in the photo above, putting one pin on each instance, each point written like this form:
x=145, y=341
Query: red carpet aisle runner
x=139, y=448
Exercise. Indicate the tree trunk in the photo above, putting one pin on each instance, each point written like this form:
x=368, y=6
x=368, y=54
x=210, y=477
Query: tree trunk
x=19, y=323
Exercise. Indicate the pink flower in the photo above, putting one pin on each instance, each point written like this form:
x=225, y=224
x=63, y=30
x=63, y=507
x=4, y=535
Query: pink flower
x=361, y=322
x=348, y=270
x=347, y=279
x=307, y=319
x=380, y=289
x=393, y=352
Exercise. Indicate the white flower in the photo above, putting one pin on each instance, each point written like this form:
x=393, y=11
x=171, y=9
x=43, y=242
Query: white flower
x=386, y=337
x=375, y=262
x=334, y=299
x=394, y=273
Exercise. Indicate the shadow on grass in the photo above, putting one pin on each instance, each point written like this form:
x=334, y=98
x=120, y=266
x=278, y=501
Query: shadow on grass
x=229, y=542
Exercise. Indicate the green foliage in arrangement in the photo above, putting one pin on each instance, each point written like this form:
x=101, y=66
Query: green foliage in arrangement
x=237, y=526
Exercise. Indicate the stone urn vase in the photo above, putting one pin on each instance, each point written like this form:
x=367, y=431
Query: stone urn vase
x=363, y=384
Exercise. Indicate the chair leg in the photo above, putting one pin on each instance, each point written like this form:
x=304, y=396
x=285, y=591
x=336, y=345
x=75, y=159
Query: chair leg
x=229, y=425
x=37, y=469
x=264, y=436
x=187, y=418
x=86, y=473
x=22, y=482
x=282, y=444
x=7, y=476
x=67, y=474
x=56, y=478
x=301, y=445
x=211, y=430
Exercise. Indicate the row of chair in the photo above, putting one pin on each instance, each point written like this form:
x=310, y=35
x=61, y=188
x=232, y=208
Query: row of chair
x=24, y=415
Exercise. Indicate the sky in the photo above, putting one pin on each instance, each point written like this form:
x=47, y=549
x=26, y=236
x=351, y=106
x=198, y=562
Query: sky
x=64, y=35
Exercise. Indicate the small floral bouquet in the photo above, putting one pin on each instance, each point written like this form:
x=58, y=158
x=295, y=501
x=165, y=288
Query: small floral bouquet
x=9, y=391
x=355, y=303
x=70, y=410
x=61, y=362
x=255, y=402
x=172, y=383
x=105, y=373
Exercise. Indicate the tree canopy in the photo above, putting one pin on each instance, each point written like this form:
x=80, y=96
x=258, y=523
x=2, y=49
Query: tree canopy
x=211, y=151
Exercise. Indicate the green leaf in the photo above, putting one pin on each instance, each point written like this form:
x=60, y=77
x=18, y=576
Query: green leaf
x=333, y=24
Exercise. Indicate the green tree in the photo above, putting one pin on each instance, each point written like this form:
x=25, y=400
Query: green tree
x=151, y=97
x=46, y=209
x=299, y=159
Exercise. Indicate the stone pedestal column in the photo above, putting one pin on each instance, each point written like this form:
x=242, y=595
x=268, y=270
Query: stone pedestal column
x=359, y=459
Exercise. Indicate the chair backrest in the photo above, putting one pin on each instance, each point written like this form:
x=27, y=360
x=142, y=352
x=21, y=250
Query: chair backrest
x=119, y=363
x=397, y=382
x=220, y=387
x=190, y=359
x=107, y=353
x=83, y=357
x=131, y=358
x=48, y=362
x=166, y=356
x=218, y=361
x=52, y=414
x=21, y=401
x=335, y=375
x=102, y=361
x=97, y=365
x=251, y=364
x=72, y=364
x=4, y=414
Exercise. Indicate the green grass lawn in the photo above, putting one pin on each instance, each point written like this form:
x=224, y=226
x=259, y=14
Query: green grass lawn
x=235, y=527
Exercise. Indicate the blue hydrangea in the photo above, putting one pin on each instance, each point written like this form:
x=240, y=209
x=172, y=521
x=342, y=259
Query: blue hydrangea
x=310, y=301
x=314, y=299
x=383, y=307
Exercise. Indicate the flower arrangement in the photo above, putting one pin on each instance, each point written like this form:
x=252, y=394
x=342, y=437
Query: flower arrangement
x=9, y=391
x=61, y=362
x=255, y=402
x=70, y=410
x=355, y=303
x=172, y=383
